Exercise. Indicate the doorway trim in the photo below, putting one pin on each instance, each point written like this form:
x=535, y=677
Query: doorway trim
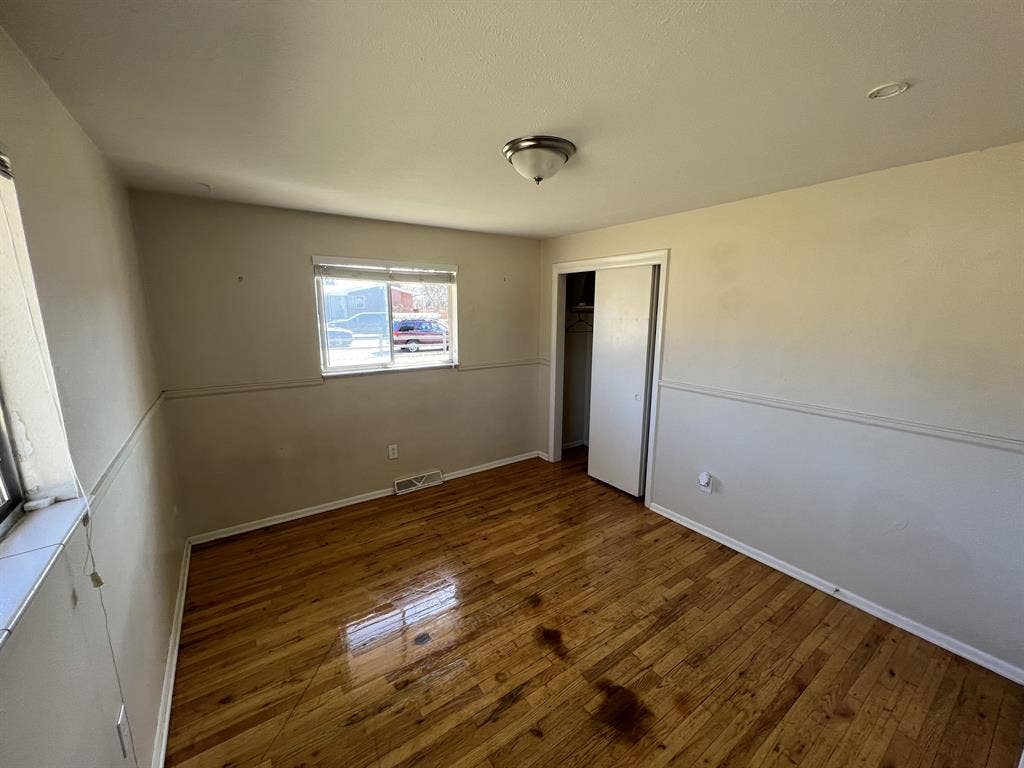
x=557, y=349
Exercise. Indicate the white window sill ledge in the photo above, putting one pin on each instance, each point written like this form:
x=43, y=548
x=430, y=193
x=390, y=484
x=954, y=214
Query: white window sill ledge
x=335, y=374
x=27, y=553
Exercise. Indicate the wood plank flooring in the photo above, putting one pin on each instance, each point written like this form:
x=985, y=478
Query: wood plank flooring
x=530, y=616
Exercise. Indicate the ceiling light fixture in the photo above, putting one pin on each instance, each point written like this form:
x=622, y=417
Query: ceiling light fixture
x=888, y=90
x=538, y=157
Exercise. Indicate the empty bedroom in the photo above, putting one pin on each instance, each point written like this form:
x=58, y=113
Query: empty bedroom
x=511, y=383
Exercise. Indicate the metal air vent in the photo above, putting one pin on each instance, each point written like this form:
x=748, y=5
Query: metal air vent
x=414, y=483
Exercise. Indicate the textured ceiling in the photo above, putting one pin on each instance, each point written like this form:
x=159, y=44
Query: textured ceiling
x=399, y=110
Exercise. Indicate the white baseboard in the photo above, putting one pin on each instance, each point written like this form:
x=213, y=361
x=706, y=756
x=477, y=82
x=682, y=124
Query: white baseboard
x=940, y=639
x=284, y=517
x=327, y=506
x=573, y=444
x=493, y=465
x=164, y=714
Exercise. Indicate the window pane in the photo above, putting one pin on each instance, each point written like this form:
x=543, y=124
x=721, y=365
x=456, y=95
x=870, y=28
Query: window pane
x=422, y=319
x=355, y=314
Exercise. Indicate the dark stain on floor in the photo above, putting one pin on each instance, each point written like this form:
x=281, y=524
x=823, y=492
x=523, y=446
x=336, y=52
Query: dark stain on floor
x=623, y=711
x=844, y=711
x=422, y=638
x=505, y=702
x=547, y=637
x=535, y=600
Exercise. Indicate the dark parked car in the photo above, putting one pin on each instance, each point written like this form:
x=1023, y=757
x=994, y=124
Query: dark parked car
x=413, y=334
x=338, y=338
x=363, y=324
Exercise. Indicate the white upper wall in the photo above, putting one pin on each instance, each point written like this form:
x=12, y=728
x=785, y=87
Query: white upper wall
x=898, y=293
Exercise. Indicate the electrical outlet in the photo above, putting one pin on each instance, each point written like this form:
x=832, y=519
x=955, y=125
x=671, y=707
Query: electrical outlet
x=393, y=451
x=123, y=734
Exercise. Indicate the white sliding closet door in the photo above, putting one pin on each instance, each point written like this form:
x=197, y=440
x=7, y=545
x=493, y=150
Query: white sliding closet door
x=624, y=310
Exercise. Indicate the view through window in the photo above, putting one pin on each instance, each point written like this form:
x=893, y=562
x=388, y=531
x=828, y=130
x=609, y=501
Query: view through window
x=10, y=487
x=382, y=317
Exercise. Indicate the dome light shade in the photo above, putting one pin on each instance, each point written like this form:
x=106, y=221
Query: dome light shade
x=538, y=157
x=537, y=163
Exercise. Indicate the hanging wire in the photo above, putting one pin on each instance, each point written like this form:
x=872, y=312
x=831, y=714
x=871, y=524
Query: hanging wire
x=88, y=519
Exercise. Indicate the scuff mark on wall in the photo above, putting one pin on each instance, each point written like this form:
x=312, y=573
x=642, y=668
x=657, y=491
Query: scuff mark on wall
x=23, y=452
x=898, y=525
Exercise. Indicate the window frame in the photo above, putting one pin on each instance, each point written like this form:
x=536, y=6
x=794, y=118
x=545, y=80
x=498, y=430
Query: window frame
x=385, y=270
x=10, y=509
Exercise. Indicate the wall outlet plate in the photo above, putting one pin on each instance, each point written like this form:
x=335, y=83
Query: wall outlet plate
x=393, y=451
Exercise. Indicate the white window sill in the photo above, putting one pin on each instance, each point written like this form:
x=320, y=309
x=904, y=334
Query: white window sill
x=27, y=552
x=396, y=369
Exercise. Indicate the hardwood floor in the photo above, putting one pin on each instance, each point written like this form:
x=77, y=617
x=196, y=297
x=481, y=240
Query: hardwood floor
x=530, y=616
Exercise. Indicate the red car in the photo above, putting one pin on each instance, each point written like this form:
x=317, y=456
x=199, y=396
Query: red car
x=412, y=335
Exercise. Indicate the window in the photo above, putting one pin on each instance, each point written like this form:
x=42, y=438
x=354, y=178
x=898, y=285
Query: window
x=375, y=316
x=10, y=487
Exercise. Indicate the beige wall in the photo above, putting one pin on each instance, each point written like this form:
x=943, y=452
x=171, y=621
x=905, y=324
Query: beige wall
x=87, y=277
x=60, y=694
x=245, y=455
x=896, y=294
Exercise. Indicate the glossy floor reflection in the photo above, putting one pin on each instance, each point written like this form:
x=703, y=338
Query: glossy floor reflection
x=530, y=616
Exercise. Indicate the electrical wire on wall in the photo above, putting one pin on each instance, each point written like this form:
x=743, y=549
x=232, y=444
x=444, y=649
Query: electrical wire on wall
x=88, y=519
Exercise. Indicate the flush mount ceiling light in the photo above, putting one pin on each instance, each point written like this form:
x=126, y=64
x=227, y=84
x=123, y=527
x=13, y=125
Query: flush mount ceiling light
x=888, y=90
x=538, y=157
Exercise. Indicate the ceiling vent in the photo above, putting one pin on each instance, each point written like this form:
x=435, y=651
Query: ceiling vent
x=414, y=483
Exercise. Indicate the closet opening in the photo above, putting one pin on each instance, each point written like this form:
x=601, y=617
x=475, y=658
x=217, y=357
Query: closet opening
x=606, y=325
x=578, y=346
